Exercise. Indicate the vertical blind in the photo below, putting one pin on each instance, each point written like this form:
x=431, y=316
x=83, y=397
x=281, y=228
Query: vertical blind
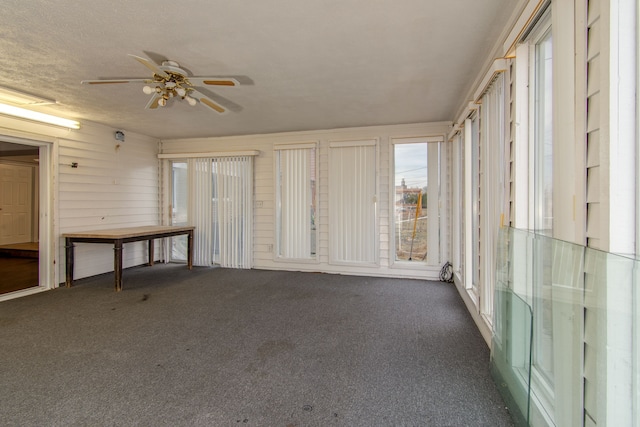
x=492, y=183
x=201, y=210
x=295, y=173
x=221, y=209
x=352, y=202
x=234, y=195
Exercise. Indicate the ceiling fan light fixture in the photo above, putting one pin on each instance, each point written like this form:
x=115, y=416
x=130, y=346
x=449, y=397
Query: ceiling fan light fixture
x=170, y=81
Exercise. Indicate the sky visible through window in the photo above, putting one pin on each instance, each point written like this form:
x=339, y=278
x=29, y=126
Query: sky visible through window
x=411, y=164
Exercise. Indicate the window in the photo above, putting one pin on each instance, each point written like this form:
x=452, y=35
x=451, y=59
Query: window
x=457, y=208
x=543, y=134
x=476, y=179
x=492, y=184
x=542, y=119
x=470, y=155
x=636, y=336
x=416, y=207
x=411, y=201
x=296, y=206
x=352, y=202
x=536, y=63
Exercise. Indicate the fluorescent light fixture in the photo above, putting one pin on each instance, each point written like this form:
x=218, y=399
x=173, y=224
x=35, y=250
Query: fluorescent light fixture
x=38, y=117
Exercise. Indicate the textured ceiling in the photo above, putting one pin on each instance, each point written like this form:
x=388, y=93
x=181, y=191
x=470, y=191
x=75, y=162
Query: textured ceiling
x=313, y=64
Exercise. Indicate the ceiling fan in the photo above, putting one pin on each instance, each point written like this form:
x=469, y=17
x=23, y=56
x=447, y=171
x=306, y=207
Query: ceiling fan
x=169, y=81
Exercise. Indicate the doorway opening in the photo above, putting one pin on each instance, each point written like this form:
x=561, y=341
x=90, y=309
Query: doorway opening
x=21, y=199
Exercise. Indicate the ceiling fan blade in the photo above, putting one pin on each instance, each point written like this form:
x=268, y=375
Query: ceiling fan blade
x=208, y=102
x=115, y=81
x=161, y=60
x=153, y=102
x=158, y=58
x=150, y=65
x=220, y=100
x=242, y=80
x=214, y=81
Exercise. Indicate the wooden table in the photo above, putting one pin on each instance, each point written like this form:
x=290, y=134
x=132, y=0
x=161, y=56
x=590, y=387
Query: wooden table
x=120, y=236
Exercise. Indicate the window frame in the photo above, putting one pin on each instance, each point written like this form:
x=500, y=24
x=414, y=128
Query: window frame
x=542, y=390
x=537, y=131
x=433, y=258
x=475, y=152
x=172, y=206
x=457, y=208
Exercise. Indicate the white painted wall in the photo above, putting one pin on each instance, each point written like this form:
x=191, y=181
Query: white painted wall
x=264, y=229
x=116, y=184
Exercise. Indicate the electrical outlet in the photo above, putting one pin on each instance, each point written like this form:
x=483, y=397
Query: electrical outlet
x=259, y=203
x=270, y=248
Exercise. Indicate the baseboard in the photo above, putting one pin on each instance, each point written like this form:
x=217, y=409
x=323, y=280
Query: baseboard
x=482, y=325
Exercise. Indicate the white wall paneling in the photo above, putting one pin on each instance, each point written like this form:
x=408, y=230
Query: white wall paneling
x=264, y=224
x=115, y=184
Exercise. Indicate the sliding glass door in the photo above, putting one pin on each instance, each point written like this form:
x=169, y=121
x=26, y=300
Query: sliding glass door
x=214, y=195
x=179, y=209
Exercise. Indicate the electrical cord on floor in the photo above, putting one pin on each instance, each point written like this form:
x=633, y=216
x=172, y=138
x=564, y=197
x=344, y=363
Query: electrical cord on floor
x=446, y=273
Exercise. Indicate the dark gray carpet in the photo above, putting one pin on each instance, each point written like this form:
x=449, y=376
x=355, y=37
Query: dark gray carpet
x=218, y=347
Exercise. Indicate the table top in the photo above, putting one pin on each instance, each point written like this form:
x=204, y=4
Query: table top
x=125, y=233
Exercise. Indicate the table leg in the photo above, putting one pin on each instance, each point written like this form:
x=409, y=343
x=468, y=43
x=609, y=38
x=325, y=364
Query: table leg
x=151, y=252
x=69, y=261
x=190, y=249
x=117, y=264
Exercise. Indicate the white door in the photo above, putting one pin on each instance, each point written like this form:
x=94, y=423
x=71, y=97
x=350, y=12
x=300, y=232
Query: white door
x=16, y=186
